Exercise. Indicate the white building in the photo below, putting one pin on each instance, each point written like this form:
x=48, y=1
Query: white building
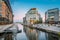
x=32, y=16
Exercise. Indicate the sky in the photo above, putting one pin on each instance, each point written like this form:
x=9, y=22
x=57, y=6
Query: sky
x=20, y=7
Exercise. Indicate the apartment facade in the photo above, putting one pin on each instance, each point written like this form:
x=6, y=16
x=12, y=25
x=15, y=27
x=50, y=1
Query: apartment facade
x=6, y=15
x=24, y=20
x=52, y=16
x=32, y=16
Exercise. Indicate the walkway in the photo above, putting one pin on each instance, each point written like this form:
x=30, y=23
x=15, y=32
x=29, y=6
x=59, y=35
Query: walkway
x=45, y=28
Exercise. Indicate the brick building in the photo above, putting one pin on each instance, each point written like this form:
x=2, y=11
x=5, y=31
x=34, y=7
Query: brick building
x=6, y=15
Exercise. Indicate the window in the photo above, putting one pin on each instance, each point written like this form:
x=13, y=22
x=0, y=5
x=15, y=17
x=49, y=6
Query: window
x=0, y=7
x=59, y=18
x=51, y=14
x=34, y=18
x=0, y=14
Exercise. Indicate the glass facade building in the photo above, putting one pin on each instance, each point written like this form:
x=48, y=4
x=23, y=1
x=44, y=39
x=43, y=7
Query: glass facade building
x=52, y=15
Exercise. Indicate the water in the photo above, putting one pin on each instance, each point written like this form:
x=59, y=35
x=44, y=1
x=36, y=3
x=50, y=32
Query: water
x=33, y=34
x=22, y=35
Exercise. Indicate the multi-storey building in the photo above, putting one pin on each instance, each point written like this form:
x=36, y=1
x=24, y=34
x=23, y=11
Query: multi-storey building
x=32, y=16
x=24, y=20
x=6, y=15
x=52, y=16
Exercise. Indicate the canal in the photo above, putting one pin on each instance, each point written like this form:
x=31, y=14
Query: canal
x=33, y=34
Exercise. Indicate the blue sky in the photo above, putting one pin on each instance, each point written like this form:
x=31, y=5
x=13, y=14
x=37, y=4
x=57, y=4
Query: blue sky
x=20, y=7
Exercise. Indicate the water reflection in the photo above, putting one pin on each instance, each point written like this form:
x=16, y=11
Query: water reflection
x=32, y=34
x=43, y=36
x=53, y=37
x=22, y=35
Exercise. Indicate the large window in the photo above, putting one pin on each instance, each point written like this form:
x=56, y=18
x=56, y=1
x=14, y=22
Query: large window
x=59, y=18
x=0, y=7
x=51, y=14
x=0, y=15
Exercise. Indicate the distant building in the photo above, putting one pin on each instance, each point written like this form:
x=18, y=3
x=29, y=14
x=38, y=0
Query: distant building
x=6, y=15
x=24, y=20
x=52, y=16
x=32, y=16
